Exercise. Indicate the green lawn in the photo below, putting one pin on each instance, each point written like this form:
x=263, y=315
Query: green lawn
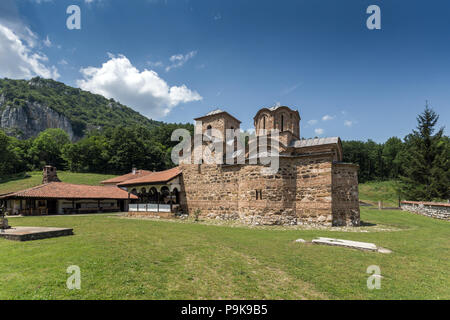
x=123, y=258
x=374, y=191
x=23, y=181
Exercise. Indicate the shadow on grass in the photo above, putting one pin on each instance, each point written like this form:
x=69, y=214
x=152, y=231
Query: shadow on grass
x=367, y=224
x=14, y=177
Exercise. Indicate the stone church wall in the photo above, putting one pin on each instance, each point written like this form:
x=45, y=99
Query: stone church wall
x=310, y=190
x=345, y=195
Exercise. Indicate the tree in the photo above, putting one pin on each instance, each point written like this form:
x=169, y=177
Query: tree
x=5, y=154
x=47, y=148
x=87, y=155
x=425, y=161
x=391, y=160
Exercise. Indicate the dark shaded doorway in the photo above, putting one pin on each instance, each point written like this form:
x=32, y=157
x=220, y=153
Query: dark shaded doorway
x=52, y=206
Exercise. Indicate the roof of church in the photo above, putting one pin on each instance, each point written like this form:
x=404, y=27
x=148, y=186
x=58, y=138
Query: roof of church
x=61, y=190
x=314, y=142
x=155, y=177
x=274, y=108
x=215, y=112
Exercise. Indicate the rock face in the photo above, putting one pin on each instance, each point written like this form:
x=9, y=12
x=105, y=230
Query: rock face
x=29, y=120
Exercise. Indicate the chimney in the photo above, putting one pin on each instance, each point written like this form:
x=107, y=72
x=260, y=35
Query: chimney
x=134, y=170
x=49, y=175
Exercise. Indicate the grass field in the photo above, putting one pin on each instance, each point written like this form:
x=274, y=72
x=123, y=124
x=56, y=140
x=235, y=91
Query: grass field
x=372, y=192
x=123, y=258
x=23, y=181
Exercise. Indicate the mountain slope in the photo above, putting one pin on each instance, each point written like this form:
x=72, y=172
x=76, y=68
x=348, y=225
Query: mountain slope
x=28, y=107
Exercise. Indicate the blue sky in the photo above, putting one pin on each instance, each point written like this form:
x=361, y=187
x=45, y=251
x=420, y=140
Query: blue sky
x=176, y=60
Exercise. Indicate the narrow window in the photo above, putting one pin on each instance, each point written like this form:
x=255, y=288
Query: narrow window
x=282, y=123
x=257, y=194
x=264, y=123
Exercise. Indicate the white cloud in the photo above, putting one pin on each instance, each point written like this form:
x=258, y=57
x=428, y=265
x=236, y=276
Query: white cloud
x=63, y=62
x=143, y=90
x=319, y=131
x=291, y=89
x=312, y=122
x=179, y=60
x=47, y=42
x=327, y=117
x=155, y=64
x=18, y=59
x=348, y=123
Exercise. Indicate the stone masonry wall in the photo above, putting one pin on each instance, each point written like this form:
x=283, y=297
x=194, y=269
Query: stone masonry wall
x=345, y=195
x=434, y=210
x=301, y=192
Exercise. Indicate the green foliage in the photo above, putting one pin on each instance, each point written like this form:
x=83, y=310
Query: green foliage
x=5, y=154
x=47, y=148
x=197, y=213
x=13, y=157
x=376, y=161
x=426, y=163
x=420, y=163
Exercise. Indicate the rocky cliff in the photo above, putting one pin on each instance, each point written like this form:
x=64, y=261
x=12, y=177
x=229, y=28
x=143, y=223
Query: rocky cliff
x=29, y=120
x=28, y=107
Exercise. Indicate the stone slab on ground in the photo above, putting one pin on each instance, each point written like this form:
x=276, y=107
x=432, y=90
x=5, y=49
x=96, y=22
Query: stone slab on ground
x=346, y=243
x=34, y=233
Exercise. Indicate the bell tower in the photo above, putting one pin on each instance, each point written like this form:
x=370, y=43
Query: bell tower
x=281, y=118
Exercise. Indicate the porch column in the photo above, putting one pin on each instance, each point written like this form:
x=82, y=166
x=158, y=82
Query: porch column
x=158, y=201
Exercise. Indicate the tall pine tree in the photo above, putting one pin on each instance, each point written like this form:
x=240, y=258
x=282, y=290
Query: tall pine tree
x=426, y=161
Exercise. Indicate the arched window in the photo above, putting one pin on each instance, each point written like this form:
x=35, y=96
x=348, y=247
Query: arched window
x=165, y=191
x=153, y=194
x=282, y=123
x=209, y=130
x=264, y=123
x=134, y=191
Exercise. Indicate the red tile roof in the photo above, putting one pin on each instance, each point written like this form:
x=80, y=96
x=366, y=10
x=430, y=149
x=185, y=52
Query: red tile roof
x=155, y=177
x=61, y=190
x=128, y=176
